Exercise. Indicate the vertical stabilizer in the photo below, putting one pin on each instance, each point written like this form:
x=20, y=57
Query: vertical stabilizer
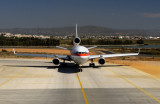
x=76, y=32
x=76, y=40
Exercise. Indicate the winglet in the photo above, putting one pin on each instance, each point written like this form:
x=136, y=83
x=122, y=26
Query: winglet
x=14, y=51
x=139, y=50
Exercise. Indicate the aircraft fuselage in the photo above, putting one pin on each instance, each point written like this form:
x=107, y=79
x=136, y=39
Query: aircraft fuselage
x=80, y=54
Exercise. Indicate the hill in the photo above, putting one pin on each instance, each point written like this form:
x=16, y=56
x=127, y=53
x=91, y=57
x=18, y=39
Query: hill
x=83, y=30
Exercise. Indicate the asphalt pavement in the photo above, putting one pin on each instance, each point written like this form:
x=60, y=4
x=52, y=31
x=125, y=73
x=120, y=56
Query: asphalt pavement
x=30, y=81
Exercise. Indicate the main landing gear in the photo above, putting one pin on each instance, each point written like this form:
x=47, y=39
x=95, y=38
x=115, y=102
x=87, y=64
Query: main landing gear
x=92, y=64
x=63, y=64
x=78, y=68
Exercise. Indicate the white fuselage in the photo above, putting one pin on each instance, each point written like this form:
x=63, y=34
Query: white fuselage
x=80, y=54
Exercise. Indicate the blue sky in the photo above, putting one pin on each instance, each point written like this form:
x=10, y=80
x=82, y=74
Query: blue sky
x=120, y=14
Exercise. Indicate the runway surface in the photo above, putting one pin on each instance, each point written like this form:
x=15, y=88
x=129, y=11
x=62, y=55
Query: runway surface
x=26, y=81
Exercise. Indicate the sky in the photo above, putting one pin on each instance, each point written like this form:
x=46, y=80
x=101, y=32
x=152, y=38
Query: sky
x=118, y=14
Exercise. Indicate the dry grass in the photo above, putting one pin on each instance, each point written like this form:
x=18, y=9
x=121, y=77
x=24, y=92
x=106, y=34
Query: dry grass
x=152, y=67
x=50, y=51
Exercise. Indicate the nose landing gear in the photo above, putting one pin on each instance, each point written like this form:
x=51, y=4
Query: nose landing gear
x=80, y=70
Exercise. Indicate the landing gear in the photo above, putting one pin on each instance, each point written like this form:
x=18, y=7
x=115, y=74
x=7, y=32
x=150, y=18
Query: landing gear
x=78, y=68
x=63, y=64
x=92, y=64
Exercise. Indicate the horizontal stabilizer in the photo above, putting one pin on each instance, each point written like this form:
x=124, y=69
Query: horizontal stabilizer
x=63, y=48
x=91, y=47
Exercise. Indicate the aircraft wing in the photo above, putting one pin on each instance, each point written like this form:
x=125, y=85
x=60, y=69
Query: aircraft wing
x=34, y=55
x=64, y=57
x=112, y=55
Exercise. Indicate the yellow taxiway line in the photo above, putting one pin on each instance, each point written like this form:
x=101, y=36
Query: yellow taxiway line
x=85, y=98
x=16, y=75
x=120, y=76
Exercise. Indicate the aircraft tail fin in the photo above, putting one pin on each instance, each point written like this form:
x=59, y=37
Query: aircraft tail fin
x=76, y=32
x=76, y=40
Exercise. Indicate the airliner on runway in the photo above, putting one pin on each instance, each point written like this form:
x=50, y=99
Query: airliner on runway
x=79, y=54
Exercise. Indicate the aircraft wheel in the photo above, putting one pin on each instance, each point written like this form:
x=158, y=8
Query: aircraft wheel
x=92, y=64
x=80, y=70
x=63, y=64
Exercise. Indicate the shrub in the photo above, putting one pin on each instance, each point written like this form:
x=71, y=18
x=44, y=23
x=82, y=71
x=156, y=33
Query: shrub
x=3, y=50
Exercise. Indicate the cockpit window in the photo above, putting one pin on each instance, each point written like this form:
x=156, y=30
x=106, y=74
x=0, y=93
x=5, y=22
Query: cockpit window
x=81, y=52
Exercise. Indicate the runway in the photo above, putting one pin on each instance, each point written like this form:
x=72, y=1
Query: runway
x=30, y=81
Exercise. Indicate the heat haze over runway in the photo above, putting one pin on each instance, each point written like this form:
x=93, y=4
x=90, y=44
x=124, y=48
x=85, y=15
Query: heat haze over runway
x=28, y=81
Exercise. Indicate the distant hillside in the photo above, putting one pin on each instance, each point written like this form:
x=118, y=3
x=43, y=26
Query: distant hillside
x=83, y=30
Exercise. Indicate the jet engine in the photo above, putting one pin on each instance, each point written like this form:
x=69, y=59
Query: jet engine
x=101, y=61
x=56, y=61
x=77, y=40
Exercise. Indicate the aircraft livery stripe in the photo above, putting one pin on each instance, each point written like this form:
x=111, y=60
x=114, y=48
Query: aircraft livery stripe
x=80, y=54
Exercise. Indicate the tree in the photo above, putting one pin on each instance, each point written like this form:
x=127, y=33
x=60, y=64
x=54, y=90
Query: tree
x=118, y=42
x=140, y=41
x=128, y=42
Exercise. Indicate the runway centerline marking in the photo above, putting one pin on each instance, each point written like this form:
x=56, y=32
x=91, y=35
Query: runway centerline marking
x=16, y=75
x=142, y=90
x=85, y=98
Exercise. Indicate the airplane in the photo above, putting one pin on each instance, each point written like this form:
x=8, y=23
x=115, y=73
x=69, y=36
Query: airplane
x=79, y=55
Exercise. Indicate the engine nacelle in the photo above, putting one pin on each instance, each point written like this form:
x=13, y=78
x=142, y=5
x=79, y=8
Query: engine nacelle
x=56, y=61
x=77, y=40
x=101, y=61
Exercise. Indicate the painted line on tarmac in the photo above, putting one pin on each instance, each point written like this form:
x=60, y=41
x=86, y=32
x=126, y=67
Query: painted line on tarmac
x=15, y=76
x=142, y=90
x=85, y=98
